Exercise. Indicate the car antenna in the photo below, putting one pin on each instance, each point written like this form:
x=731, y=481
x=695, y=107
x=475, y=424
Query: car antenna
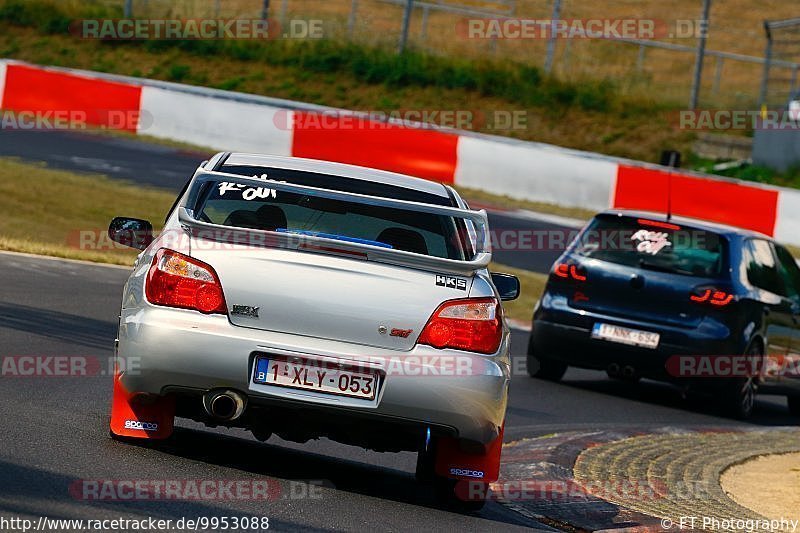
x=671, y=159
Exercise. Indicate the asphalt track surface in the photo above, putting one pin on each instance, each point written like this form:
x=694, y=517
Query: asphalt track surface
x=526, y=243
x=53, y=430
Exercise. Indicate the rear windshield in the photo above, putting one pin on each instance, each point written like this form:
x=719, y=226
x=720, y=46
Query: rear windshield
x=249, y=206
x=653, y=245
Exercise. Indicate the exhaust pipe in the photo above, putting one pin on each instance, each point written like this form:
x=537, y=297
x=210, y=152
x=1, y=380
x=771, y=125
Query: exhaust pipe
x=225, y=404
x=613, y=369
x=628, y=372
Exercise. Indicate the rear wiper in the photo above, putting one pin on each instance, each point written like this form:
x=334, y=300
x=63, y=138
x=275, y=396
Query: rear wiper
x=661, y=268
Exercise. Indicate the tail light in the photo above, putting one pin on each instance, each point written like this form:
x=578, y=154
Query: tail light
x=471, y=324
x=569, y=271
x=712, y=296
x=177, y=280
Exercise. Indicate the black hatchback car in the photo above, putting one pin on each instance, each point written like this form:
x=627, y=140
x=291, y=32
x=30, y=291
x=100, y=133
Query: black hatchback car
x=678, y=300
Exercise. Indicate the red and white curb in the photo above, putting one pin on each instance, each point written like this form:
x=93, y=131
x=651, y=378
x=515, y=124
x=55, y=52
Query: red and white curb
x=526, y=170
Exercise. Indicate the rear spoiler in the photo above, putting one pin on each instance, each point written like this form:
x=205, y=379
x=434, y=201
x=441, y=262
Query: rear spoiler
x=218, y=232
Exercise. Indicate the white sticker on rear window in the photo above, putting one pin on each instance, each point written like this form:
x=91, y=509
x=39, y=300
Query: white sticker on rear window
x=651, y=242
x=248, y=193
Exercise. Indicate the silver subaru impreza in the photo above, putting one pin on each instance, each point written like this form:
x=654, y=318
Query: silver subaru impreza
x=311, y=299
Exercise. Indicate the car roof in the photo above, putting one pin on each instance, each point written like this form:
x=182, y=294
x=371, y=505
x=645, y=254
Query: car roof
x=722, y=229
x=338, y=169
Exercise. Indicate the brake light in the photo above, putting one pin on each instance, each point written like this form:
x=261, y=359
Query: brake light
x=471, y=324
x=177, y=280
x=712, y=296
x=658, y=224
x=569, y=271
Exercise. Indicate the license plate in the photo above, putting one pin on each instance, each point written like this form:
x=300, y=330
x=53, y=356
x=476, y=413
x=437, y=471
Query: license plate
x=632, y=337
x=314, y=377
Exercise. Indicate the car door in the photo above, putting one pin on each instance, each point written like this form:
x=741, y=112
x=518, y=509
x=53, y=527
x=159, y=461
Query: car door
x=790, y=273
x=764, y=275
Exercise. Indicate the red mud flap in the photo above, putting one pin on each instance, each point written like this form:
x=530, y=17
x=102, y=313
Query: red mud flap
x=140, y=418
x=473, y=471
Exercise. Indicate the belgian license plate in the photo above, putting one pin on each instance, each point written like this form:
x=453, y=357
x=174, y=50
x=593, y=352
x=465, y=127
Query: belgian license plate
x=319, y=378
x=632, y=337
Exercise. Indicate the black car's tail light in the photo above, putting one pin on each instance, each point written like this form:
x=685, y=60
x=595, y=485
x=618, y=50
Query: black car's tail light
x=711, y=296
x=569, y=271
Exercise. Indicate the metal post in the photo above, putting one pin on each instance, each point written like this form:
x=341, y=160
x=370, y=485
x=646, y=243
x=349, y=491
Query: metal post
x=551, y=42
x=701, y=53
x=424, y=32
x=128, y=9
x=762, y=98
x=284, y=9
x=351, y=21
x=640, y=59
x=717, y=75
x=265, y=10
x=406, y=24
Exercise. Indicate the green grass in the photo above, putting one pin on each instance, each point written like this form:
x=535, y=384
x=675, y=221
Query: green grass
x=589, y=114
x=48, y=212
x=511, y=81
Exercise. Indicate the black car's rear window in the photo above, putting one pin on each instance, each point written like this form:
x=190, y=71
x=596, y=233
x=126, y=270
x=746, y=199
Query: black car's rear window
x=653, y=244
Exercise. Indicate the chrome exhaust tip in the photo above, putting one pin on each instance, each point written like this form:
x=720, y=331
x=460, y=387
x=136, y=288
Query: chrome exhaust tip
x=225, y=404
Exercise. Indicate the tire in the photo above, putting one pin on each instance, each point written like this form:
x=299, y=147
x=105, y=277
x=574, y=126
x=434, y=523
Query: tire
x=548, y=369
x=633, y=379
x=426, y=465
x=739, y=394
x=794, y=405
x=447, y=494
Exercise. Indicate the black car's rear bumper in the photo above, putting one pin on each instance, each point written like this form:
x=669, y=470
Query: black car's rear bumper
x=575, y=346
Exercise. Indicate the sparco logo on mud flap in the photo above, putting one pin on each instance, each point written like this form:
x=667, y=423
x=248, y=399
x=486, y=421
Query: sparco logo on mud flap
x=144, y=426
x=466, y=473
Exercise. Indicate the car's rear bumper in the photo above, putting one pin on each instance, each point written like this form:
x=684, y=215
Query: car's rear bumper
x=164, y=350
x=571, y=341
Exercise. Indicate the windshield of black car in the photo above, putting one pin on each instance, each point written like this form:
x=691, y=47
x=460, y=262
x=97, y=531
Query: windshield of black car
x=246, y=205
x=654, y=245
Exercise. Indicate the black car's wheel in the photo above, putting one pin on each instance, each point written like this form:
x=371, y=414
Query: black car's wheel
x=543, y=368
x=739, y=394
x=460, y=496
x=794, y=405
x=634, y=378
x=539, y=367
x=426, y=464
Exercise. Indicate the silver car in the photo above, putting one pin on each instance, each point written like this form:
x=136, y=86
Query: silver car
x=311, y=299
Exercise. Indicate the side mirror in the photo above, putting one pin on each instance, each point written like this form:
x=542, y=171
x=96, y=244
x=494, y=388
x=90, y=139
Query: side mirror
x=507, y=285
x=132, y=232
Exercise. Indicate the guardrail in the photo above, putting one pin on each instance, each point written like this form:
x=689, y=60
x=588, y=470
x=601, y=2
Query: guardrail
x=225, y=120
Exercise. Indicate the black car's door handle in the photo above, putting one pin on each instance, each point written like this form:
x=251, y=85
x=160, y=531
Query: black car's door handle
x=767, y=311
